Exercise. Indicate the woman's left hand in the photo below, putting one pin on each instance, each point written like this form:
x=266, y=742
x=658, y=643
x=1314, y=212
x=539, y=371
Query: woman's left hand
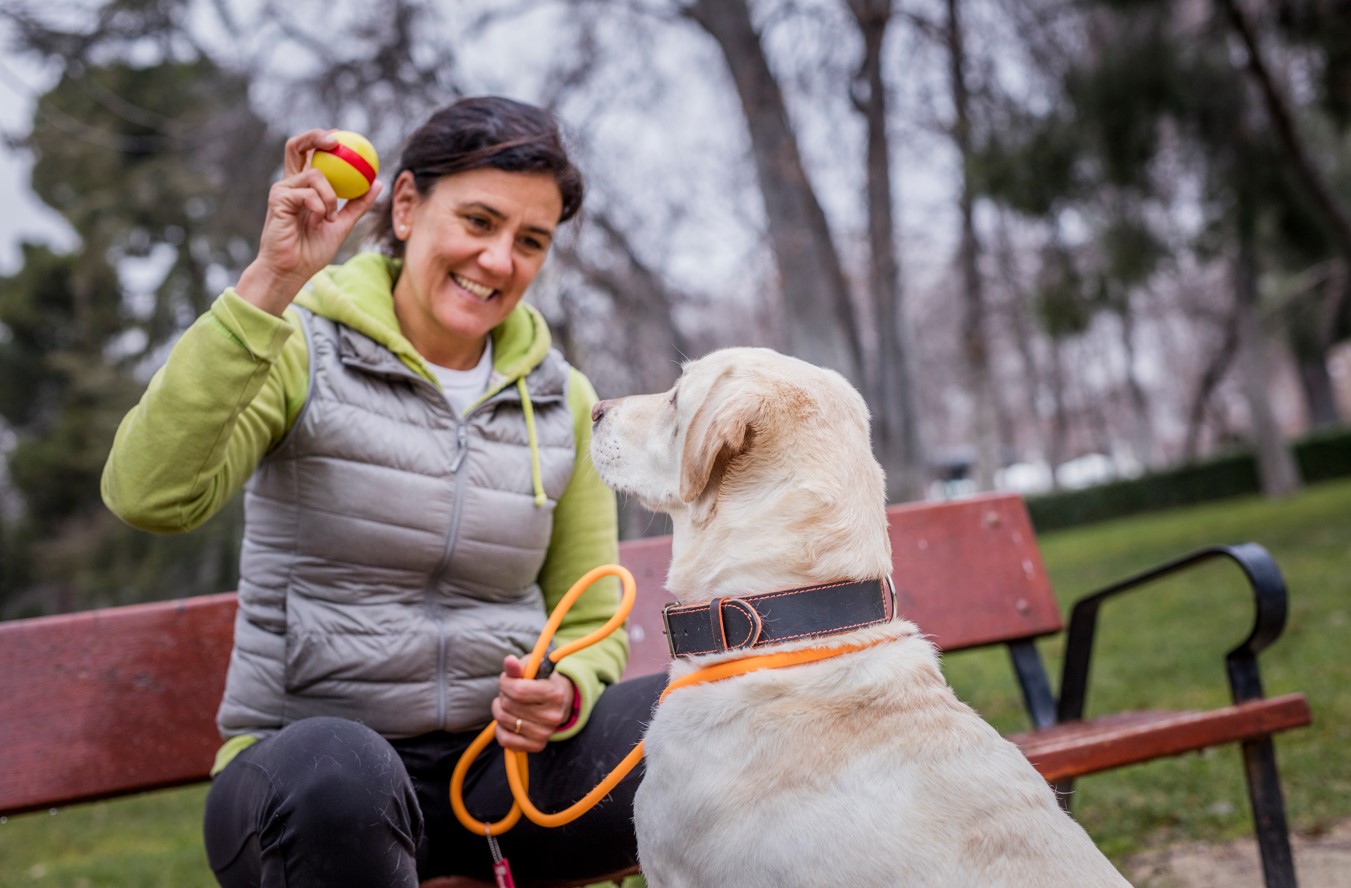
x=528, y=711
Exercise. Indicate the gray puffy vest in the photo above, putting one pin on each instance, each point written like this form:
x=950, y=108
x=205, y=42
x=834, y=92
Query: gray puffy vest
x=391, y=549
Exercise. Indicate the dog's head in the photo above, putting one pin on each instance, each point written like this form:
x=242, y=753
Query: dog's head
x=756, y=449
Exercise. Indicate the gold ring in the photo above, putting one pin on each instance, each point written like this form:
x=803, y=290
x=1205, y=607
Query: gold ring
x=517, y=729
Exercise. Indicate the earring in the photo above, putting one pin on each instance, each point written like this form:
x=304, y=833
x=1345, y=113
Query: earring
x=403, y=230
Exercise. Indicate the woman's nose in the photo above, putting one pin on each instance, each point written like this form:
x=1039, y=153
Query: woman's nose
x=496, y=256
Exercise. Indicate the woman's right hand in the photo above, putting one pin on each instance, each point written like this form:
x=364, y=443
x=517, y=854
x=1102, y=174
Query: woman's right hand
x=303, y=230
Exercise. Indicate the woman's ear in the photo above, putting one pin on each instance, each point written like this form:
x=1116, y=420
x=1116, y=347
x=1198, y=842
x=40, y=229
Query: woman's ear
x=403, y=201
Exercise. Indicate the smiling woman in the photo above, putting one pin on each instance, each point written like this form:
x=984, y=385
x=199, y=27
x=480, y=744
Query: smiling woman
x=419, y=496
x=472, y=247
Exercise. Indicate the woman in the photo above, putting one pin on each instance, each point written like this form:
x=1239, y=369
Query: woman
x=418, y=496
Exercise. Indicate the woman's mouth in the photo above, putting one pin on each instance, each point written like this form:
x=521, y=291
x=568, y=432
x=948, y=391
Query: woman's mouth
x=477, y=290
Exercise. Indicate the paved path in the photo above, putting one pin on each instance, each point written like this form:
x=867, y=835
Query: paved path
x=1322, y=861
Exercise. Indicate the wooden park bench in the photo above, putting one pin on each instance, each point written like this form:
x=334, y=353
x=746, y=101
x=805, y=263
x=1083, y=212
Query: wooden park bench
x=117, y=701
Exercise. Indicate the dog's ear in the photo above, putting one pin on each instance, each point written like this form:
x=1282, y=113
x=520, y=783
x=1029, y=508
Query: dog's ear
x=720, y=429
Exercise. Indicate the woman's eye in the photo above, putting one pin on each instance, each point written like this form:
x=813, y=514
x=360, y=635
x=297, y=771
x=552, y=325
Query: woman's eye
x=481, y=223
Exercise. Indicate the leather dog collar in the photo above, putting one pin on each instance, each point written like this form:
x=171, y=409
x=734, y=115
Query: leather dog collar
x=756, y=621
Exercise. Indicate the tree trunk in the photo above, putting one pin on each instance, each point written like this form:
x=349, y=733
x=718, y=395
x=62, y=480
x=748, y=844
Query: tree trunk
x=1337, y=220
x=1060, y=422
x=1214, y=371
x=1275, y=463
x=1320, y=393
x=975, y=344
x=654, y=344
x=1142, y=426
x=1020, y=325
x=896, y=411
x=820, y=314
x=1312, y=330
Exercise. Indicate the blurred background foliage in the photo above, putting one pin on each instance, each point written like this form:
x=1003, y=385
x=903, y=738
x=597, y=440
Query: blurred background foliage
x=1053, y=243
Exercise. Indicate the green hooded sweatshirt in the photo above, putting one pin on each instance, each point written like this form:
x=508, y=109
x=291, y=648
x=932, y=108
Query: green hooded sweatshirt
x=236, y=382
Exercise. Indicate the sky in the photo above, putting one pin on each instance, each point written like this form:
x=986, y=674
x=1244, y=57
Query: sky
x=674, y=144
x=24, y=215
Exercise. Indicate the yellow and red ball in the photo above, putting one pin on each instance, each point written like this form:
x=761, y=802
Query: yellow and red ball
x=350, y=166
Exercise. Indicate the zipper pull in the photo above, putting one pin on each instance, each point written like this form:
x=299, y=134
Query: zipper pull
x=461, y=446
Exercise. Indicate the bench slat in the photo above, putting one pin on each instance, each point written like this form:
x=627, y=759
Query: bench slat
x=1074, y=749
x=647, y=559
x=969, y=573
x=110, y=701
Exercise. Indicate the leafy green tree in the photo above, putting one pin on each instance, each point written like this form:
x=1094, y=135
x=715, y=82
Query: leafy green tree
x=166, y=161
x=49, y=321
x=165, y=164
x=1147, y=106
x=63, y=550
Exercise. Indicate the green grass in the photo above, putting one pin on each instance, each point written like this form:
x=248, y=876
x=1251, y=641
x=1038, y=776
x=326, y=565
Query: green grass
x=147, y=841
x=1163, y=646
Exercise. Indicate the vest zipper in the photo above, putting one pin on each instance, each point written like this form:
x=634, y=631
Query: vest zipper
x=452, y=539
x=461, y=445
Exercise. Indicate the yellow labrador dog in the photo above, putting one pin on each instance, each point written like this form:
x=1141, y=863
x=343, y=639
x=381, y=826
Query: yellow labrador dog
x=860, y=769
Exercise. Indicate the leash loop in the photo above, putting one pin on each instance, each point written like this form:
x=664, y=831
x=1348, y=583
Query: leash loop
x=516, y=761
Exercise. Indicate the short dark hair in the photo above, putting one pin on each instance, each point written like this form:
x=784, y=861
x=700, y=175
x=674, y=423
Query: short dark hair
x=477, y=133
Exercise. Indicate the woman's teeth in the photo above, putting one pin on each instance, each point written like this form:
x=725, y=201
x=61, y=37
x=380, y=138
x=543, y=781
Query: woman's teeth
x=476, y=289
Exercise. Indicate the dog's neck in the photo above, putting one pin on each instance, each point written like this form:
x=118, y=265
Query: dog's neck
x=763, y=543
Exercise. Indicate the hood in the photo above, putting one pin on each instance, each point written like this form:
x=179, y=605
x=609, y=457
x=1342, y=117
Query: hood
x=359, y=294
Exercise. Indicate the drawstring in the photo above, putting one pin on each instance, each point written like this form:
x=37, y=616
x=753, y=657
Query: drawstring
x=536, y=476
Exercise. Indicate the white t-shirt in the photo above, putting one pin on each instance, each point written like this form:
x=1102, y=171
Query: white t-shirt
x=464, y=387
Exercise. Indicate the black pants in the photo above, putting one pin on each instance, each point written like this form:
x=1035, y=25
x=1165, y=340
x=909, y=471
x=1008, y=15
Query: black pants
x=328, y=802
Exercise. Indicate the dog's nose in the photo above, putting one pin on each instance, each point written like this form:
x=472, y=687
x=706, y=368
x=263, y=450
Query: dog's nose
x=598, y=410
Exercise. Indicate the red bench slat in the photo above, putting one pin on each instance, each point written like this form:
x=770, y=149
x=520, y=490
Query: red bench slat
x=110, y=701
x=1074, y=749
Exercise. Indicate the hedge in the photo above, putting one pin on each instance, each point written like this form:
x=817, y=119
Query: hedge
x=1321, y=456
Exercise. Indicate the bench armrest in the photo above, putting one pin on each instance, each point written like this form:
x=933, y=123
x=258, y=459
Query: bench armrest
x=1245, y=683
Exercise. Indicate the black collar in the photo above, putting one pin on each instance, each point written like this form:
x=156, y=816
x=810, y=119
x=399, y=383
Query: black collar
x=756, y=621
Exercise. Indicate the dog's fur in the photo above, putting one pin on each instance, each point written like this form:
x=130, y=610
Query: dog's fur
x=864, y=769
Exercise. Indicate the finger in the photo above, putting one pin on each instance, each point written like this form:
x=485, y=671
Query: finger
x=309, y=195
x=296, y=202
x=527, y=721
x=518, y=731
x=319, y=184
x=357, y=207
x=299, y=148
x=529, y=693
x=512, y=667
x=503, y=715
x=519, y=742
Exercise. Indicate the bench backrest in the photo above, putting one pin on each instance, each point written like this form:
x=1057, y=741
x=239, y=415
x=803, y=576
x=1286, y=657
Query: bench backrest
x=113, y=701
x=968, y=572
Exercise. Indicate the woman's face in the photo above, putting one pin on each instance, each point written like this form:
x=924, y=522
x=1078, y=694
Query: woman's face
x=471, y=248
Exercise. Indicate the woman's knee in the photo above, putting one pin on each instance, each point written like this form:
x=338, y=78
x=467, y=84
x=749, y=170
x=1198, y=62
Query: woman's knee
x=333, y=764
x=319, y=793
